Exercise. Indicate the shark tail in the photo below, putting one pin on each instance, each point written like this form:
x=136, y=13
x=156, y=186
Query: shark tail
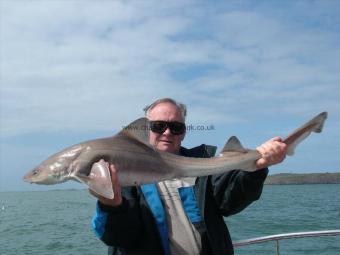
x=99, y=179
x=314, y=125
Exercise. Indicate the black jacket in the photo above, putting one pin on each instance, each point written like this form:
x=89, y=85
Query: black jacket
x=131, y=228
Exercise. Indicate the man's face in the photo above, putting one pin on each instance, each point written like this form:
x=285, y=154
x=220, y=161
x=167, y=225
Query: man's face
x=166, y=141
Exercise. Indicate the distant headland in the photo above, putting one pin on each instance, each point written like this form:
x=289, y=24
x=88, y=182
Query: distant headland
x=312, y=178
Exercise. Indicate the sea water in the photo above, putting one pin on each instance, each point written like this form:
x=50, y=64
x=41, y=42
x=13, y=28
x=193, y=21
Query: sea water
x=59, y=222
x=286, y=209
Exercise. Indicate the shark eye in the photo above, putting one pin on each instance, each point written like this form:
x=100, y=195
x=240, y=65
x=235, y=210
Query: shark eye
x=35, y=172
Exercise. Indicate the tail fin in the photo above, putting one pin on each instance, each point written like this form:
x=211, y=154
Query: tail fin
x=314, y=125
x=99, y=179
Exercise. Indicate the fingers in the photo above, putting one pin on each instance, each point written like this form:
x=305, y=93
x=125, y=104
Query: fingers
x=277, y=139
x=272, y=152
x=116, y=186
x=117, y=200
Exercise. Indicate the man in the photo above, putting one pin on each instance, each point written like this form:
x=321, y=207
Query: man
x=181, y=216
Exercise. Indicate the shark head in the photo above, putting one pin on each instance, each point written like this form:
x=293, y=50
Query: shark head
x=54, y=169
x=40, y=175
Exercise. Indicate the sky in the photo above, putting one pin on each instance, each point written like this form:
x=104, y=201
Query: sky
x=73, y=70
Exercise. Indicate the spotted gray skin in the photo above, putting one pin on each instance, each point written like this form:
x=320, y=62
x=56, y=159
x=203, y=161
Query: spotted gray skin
x=137, y=162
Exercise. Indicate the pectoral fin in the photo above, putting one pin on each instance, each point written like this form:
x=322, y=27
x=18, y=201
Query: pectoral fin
x=99, y=179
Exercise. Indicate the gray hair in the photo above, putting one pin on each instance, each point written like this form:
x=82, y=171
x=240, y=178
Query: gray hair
x=180, y=106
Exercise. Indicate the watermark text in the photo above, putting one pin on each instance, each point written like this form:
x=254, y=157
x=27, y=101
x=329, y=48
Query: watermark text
x=189, y=127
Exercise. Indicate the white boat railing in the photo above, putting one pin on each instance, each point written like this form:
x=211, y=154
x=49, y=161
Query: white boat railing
x=279, y=237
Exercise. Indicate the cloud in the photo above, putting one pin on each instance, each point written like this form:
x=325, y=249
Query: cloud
x=93, y=66
x=72, y=70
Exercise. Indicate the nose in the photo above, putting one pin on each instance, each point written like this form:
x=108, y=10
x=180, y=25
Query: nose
x=167, y=131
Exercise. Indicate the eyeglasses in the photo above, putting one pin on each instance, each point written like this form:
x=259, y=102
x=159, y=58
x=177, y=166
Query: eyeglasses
x=159, y=127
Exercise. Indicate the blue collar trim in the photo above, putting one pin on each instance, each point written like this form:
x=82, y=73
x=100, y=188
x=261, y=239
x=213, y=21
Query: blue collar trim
x=154, y=201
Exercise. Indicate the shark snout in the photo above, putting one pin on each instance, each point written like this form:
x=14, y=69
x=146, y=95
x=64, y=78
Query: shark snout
x=29, y=176
x=33, y=176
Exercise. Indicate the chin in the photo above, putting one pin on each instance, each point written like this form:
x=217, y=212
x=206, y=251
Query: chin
x=167, y=148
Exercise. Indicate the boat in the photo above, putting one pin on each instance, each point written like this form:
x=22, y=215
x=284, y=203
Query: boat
x=293, y=235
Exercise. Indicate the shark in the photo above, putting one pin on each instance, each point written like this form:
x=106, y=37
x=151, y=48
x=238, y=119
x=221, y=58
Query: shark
x=138, y=162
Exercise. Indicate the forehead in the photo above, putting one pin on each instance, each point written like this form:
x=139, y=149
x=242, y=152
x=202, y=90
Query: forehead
x=165, y=111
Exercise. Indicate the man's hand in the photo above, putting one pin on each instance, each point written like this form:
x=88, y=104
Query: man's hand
x=117, y=200
x=273, y=152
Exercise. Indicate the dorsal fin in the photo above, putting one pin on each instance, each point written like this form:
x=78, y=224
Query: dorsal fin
x=138, y=129
x=233, y=144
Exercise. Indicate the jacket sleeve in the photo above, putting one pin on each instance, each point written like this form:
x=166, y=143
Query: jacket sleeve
x=237, y=189
x=119, y=226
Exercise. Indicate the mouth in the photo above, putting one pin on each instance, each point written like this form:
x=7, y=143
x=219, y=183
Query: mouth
x=166, y=141
x=26, y=179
